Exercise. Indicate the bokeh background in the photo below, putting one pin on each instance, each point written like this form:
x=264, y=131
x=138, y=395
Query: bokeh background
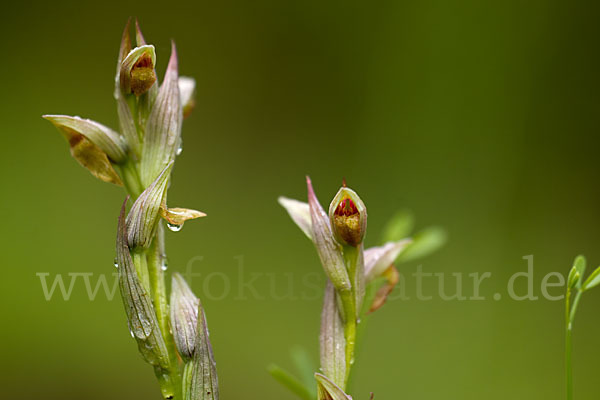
x=481, y=117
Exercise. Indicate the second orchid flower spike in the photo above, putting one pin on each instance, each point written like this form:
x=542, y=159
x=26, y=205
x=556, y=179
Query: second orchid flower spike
x=338, y=237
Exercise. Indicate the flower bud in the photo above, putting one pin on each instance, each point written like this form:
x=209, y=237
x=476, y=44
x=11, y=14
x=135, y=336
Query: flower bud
x=579, y=264
x=137, y=74
x=573, y=278
x=348, y=216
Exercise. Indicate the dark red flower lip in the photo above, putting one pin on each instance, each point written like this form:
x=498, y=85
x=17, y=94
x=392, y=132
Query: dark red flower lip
x=346, y=208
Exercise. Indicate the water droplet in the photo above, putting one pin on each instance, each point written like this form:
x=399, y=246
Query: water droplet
x=116, y=263
x=164, y=267
x=179, y=151
x=174, y=227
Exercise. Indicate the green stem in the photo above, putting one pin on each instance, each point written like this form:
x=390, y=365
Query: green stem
x=156, y=272
x=575, y=304
x=131, y=179
x=568, y=346
x=150, y=269
x=348, y=299
x=141, y=266
x=156, y=261
x=569, y=319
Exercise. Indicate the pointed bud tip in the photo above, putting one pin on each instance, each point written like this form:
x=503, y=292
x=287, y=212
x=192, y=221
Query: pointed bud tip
x=125, y=41
x=173, y=59
x=139, y=37
x=309, y=186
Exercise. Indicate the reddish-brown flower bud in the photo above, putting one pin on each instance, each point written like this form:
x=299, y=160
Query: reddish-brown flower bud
x=348, y=216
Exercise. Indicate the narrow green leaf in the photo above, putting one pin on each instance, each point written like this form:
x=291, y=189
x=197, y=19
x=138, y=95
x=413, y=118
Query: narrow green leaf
x=424, y=243
x=290, y=382
x=593, y=280
x=580, y=265
x=305, y=366
x=398, y=227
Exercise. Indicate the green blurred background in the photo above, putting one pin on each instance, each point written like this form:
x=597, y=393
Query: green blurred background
x=481, y=117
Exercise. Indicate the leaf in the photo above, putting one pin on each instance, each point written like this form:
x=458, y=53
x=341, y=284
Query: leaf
x=109, y=141
x=187, y=93
x=580, y=265
x=392, y=277
x=290, y=382
x=424, y=243
x=327, y=390
x=204, y=383
x=328, y=249
x=305, y=366
x=83, y=149
x=177, y=216
x=139, y=37
x=399, y=226
x=124, y=49
x=163, y=129
x=593, y=280
x=138, y=305
x=573, y=277
x=332, y=340
x=143, y=216
x=378, y=259
x=300, y=214
x=359, y=280
x=184, y=316
x=127, y=125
